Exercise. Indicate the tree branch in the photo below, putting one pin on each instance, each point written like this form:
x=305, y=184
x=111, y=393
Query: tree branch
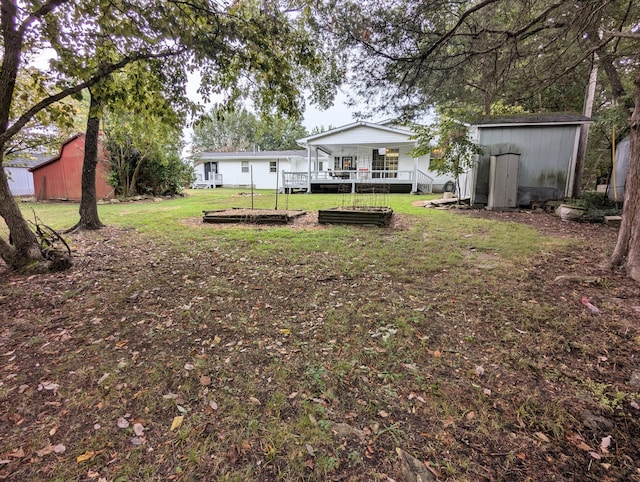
x=103, y=72
x=632, y=35
x=44, y=9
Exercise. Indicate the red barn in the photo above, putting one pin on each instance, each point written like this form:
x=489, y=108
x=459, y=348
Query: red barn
x=61, y=176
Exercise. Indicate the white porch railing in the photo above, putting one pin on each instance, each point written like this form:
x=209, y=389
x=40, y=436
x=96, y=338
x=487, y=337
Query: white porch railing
x=214, y=180
x=301, y=180
x=424, y=182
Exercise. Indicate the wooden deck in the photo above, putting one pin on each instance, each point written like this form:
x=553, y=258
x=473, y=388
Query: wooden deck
x=357, y=181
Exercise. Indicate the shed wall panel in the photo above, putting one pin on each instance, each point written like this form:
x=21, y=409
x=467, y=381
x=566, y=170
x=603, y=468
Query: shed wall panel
x=547, y=156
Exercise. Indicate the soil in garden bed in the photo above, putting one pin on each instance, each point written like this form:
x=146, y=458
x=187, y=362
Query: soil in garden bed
x=379, y=216
x=254, y=216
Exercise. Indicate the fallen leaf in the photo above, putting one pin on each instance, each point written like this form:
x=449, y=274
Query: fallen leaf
x=44, y=451
x=86, y=456
x=595, y=455
x=437, y=353
x=122, y=422
x=59, y=448
x=542, y=437
x=383, y=414
x=292, y=395
x=471, y=415
x=17, y=453
x=48, y=386
x=447, y=422
x=177, y=421
x=205, y=380
x=254, y=401
x=213, y=405
x=138, y=429
x=103, y=378
x=605, y=443
x=578, y=442
x=189, y=366
x=136, y=441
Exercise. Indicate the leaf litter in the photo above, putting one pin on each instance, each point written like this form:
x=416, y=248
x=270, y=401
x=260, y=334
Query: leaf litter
x=264, y=341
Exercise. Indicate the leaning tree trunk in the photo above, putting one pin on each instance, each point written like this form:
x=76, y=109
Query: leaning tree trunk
x=22, y=250
x=89, y=218
x=627, y=251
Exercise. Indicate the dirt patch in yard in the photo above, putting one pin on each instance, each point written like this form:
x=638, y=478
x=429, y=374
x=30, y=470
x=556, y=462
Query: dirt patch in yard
x=168, y=361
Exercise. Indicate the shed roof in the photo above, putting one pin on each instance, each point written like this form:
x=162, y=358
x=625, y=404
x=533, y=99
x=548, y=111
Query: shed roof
x=533, y=119
x=33, y=159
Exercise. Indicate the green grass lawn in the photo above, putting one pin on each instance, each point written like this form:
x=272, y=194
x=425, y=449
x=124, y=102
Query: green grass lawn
x=177, y=350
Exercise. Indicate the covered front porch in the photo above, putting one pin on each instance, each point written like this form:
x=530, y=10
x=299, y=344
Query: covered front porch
x=360, y=157
x=358, y=181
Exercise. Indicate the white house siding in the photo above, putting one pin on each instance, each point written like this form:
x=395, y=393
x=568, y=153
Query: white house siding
x=20, y=181
x=232, y=174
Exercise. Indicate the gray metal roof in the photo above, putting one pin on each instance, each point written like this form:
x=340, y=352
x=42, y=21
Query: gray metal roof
x=537, y=119
x=32, y=160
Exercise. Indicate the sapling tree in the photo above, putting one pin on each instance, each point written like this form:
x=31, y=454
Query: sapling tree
x=448, y=143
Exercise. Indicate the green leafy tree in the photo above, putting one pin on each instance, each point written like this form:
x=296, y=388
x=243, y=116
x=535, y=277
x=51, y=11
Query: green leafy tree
x=256, y=49
x=223, y=130
x=448, y=143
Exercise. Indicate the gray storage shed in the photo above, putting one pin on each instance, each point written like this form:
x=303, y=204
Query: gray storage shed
x=547, y=149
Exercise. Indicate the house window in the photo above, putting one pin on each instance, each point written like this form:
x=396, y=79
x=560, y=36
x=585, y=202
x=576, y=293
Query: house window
x=337, y=165
x=273, y=166
x=245, y=166
x=385, y=161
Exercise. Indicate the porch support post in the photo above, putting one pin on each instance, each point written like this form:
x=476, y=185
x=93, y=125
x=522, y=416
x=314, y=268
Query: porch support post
x=415, y=174
x=308, y=169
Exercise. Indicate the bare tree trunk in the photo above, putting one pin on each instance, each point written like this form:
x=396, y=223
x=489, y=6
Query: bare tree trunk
x=89, y=218
x=587, y=111
x=627, y=250
x=23, y=249
x=134, y=177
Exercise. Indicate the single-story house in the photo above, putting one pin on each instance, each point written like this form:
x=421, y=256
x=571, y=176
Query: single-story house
x=60, y=178
x=527, y=158
x=18, y=174
x=242, y=169
x=363, y=155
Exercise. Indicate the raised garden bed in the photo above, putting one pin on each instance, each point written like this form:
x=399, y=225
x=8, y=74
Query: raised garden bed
x=253, y=216
x=356, y=215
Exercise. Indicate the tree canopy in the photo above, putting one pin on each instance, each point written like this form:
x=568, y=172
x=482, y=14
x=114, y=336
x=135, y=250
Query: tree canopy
x=223, y=130
x=259, y=49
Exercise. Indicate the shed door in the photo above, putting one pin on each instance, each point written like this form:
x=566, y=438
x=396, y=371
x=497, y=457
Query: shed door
x=503, y=181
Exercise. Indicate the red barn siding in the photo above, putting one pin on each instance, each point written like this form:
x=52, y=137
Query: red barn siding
x=61, y=176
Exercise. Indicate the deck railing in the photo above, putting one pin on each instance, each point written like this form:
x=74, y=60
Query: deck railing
x=301, y=179
x=215, y=179
x=424, y=182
